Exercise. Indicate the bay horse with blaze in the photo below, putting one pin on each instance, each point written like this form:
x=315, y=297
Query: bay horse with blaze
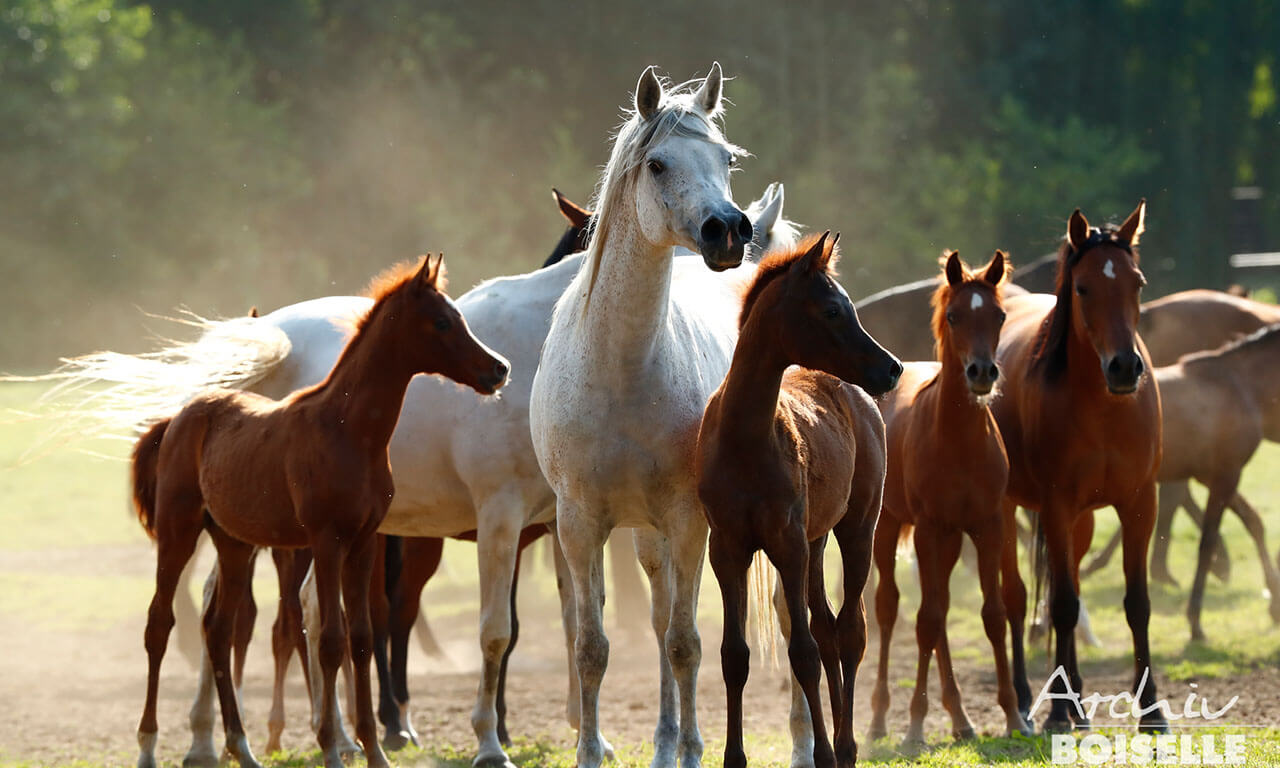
x=785, y=456
x=1079, y=412
x=312, y=471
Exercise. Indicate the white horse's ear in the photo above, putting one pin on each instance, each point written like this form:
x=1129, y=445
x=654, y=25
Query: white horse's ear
x=1131, y=230
x=648, y=93
x=1077, y=230
x=772, y=210
x=708, y=97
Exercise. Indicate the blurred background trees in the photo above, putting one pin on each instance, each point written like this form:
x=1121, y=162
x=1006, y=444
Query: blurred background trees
x=245, y=152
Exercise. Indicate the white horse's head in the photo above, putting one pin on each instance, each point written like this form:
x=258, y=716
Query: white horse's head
x=672, y=163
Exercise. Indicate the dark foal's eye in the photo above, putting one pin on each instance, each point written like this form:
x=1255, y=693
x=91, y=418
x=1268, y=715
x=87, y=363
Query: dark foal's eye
x=443, y=324
x=951, y=317
x=656, y=167
x=831, y=312
x=1003, y=315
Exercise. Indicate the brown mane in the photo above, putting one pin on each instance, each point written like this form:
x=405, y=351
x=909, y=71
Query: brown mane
x=775, y=265
x=394, y=277
x=942, y=295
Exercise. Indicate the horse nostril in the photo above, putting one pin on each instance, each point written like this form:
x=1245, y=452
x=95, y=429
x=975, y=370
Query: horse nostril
x=972, y=371
x=713, y=230
x=1138, y=367
x=1113, y=367
x=896, y=369
x=993, y=371
x=501, y=369
x=745, y=230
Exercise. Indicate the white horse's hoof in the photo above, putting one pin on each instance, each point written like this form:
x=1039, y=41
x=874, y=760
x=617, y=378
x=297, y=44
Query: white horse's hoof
x=493, y=761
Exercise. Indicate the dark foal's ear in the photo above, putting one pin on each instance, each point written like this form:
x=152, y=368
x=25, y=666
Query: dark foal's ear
x=1077, y=230
x=815, y=258
x=997, y=269
x=1131, y=230
x=648, y=93
x=576, y=215
x=955, y=270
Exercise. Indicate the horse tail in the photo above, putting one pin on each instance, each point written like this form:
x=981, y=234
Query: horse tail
x=146, y=455
x=1040, y=572
x=760, y=597
x=115, y=395
x=906, y=535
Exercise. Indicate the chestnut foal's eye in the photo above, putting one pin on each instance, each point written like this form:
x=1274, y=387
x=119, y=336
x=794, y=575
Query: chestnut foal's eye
x=951, y=317
x=443, y=324
x=1080, y=290
x=656, y=167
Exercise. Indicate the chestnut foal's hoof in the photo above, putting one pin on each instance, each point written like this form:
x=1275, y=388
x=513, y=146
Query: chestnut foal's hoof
x=964, y=734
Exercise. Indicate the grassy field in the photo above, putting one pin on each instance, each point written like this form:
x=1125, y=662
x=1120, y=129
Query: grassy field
x=72, y=560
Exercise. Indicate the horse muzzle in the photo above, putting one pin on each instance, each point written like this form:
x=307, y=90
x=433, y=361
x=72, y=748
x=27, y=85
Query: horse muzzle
x=1123, y=372
x=723, y=238
x=981, y=376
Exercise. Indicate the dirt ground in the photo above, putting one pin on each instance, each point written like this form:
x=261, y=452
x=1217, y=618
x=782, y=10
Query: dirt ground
x=75, y=694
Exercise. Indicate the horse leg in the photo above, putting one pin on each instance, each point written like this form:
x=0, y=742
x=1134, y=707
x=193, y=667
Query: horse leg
x=789, y=552
x=1220, y=492
x=1083, y=538
x=283, y=631
x=383, y=578
x=178, y=516
x=855, y=533
x=582, y=540
x=242, y=629
x=1137, y=520
x=1058, y=525
x=1171, y=495
x=569, y=621
x=357, y=576
x=235, y=566
x=730, y=562
x=930, y=618
x=800, y=724
x=421, y=559
x=203, y=753
x=1220, y=566
x=497, y=538
x=313, y=621
x=687, y=539
x=654, y=553
x=500, y=703
x=948, y=548
x=1014, y=592
x=988, y=540
x=822, y=624
x=885, y=551
x=330, y=646
x=1253, y=524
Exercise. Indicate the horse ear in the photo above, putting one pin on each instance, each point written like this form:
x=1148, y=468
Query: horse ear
x=1077, y=230
x=954, y=269
x=815, y=258
x=831, y=256
x=996, y=270
x=772, y=210
x=576, y=215
x=1131, y=230
x=709, y=94
x=648, y=93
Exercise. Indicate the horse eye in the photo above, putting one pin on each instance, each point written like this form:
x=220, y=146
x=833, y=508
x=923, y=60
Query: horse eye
x=1003, y=315
x=951, y=318
x=831, y=312
x=1080, y=290
x=443, y=324
x=656, y=167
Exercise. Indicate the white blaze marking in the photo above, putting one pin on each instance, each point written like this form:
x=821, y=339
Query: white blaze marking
x=976, y=302
x=1109, y=269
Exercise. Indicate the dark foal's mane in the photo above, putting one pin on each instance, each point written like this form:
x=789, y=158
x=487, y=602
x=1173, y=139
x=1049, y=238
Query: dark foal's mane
x=1050, y=356
x=776, y=265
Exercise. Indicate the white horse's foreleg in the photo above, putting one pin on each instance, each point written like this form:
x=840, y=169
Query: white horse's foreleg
x=801, y=723
x=654, y=553
x=203, y=753
x=582, y=540
x=569, y=618
x=311, y=620
x=688, y=543
x=497, y=540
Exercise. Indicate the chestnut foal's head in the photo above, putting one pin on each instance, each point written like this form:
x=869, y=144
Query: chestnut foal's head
x=967, y=315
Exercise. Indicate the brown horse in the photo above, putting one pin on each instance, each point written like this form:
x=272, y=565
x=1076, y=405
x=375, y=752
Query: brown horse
x=786, y=456
x=947, y=472
x=308, y=471
x=1080, y=416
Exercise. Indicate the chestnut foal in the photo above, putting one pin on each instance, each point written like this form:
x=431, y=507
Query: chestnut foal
x=309, y=471
x=946, y=478
x=785, y=456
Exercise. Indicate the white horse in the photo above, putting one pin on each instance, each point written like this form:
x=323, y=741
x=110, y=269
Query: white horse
x=638, y=343
x=461, y=462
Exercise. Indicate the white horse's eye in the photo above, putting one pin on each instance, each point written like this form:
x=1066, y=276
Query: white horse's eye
x=656, y=167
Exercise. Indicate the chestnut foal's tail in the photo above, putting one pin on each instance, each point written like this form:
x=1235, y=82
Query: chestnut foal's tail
x=146, y=455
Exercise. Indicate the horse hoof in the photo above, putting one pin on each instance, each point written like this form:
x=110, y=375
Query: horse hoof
x=877, y=731
x=1197, y=635
x=964, y=734
x=912, y=745
x=1054, y=725
x=494, y=761
x=200, y=760
x=1164, y=577
x=395, y=741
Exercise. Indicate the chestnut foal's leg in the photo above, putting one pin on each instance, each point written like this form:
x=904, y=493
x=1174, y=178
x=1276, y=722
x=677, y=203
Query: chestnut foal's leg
x=988, y=539
x=885, y=551
x=855, y=533
x=1137, y=519
x=729, y=562
x=936, y=554
x=357, y=574
x=235, y=565
x=286, y=635
x=1014, y=592
x=822, y=623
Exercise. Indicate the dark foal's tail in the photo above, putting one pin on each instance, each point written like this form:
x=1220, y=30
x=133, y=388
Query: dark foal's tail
x=146, y=455
x=1040, y=575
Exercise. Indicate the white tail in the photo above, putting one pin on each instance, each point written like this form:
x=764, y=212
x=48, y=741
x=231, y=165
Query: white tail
x=113, y=395
x=760, y=588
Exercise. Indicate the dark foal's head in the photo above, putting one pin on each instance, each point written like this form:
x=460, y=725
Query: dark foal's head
x=574, y=239
x=967, y=315
x=812, y=319
x=434, y=337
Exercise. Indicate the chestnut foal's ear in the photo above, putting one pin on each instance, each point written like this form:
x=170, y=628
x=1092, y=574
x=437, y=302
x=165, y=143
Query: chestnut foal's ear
x=1077, y=230
x=1131, y=230
x=432, y=271
x=813, y=259
x=576, y=215
x=832, y=254
x=708, y=97
x=997, y=270
x=955, y=270
x=648, y=93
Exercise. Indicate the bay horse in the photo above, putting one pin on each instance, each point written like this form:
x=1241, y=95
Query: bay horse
x=947, y=472
x=786, y=456
x=1079, y=413
x=308, y=471
x=638, y=342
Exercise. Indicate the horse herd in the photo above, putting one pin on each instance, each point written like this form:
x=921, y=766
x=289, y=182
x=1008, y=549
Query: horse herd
x=732, y=400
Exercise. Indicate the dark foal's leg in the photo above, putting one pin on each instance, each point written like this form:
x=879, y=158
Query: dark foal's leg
x=420, y=559
x=1137, y=520
x=246, y=617
x=177, y=529
x=1220, y=492
x=357, y=575
x=855, y=533
x=235, y=567
x=885, y=549
x=1171, y=496
x=1253, y=524
x=1014, y=592
x=822, y=623
x=730, y=561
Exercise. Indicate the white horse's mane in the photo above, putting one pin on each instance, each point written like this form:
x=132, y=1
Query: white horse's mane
x=678, y=114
